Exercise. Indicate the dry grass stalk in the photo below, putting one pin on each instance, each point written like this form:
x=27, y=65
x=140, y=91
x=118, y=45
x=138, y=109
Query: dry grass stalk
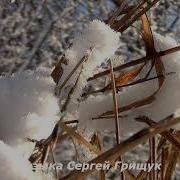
x=117, y=124
x=156, y=62
x=44, y=147
x=173, y=157
x=118, y=87
x=80, y=139
x=125, y=146
x=164, y=154
x=143, y=174
x=85, y=58
x=94, y=146
x=95, y=140
x=166, y=134
x=70, y=93
x=152, y=142
x=120, y=81
x=58, y=70
x=132, y=15
x=113, y=84
x=135, y=62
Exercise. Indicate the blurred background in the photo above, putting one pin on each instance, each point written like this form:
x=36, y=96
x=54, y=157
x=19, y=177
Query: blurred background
x=35, y=33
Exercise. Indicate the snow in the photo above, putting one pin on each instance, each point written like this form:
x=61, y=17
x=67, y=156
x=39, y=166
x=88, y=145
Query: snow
x=166, y=103
x=15, y=166
x=97, y=41
x=168, y=98
x=29, y=109
x=28, y=106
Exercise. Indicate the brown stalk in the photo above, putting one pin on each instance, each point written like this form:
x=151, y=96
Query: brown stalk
x=116, y=111
x=95, y=140
x=139, y=81
x=115, y=104
x=121, y=25
x=163, y=162
x=64, y=107
x=139, y=12
x=117, y=12
x=42, y=147
x=118, y=87
x=80, y=139
x=143, y=174
x=85, y=58
x=128, y=144
x=173, y=157
x=135, y=104
x=126, y=10
x=156, y=61
x=135, y=62
x=132, y=15
x=58, y=70
x=108, y=117
x=165, y=134
x=91, y=146
x=152, y=142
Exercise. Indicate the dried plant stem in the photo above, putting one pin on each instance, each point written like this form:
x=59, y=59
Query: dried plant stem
x=107, y=117
x=166, y=134
x=173, y=157
x=163, y=162
x=153, y=156
x=125, y=146
x=97, y=142
x=138, y=13
x=127, y=20
x=85, y=58
x=54, y=161
x=115, y=104
x=139, y=81
x=143, y=174
x=58, y=70
x=116, y=110
x=135, y=62
x=80, y=139
x=64, y=107
x=117, y=12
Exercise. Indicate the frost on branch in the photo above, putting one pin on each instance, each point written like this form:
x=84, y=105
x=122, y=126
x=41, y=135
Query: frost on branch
x=28, y=106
